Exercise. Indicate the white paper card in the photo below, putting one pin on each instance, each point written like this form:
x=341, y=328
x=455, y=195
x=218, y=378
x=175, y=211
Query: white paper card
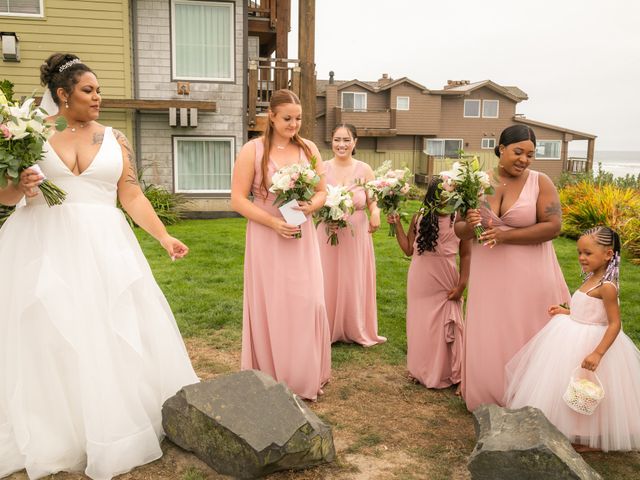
x=291, y=216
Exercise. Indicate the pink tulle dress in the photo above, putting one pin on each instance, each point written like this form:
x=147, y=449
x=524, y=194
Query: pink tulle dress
x=285, y=331
x=434, y=323
x=510, y=289
x=539, y=373
x=349, y=270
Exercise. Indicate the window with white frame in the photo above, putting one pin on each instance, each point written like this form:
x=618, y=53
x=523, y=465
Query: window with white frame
x=548, y=149
x=402, y=103
x=355, y=101
x=21, y=8
x=472, y=108
x=202, y=40
x=490, y=108
x=443, y=147
x=488, y=143
x=203, y=164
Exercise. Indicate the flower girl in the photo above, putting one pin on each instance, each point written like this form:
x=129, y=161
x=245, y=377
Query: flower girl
x=586, y=338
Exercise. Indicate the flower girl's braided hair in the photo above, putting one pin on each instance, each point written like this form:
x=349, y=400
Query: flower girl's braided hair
x=606, y=237
x=62, y=70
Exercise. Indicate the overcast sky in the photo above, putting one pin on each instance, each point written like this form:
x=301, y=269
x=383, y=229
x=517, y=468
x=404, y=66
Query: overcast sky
x=578, y=60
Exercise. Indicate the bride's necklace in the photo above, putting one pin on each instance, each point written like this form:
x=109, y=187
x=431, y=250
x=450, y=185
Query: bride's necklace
x=78, y=125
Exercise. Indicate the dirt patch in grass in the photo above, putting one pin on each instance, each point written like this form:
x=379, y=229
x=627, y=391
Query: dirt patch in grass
x=384, y=427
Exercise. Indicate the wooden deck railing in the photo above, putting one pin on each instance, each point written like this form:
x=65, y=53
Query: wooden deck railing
x=263, y=9
x=267, y=75
x=368, y=119
x=576, y=165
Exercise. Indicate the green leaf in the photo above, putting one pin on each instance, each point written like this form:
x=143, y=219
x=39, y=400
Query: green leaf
x=61, y=123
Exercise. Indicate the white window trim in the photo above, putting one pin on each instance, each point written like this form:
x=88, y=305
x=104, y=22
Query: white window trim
x=551, y=158
x=231, y=140
x=487, y=148
x=408, y=103
x=464, y=108
x=354, y=94
x=497, y=109
x=232, y=32
x=32, y=15
x=442, y=140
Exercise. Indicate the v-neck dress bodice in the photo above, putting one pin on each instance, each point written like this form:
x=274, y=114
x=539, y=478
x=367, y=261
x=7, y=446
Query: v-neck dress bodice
x=89, y=348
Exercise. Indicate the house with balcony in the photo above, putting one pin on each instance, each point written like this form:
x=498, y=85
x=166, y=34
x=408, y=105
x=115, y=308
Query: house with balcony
x=408, y=123
x=189, y=81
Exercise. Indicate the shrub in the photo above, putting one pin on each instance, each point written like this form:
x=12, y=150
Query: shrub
x=601, y=178
x=586, y=204
x=416, y=193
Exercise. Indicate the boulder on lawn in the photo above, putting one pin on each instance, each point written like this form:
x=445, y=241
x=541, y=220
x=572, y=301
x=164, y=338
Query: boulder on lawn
x=522, y=444
x=247, y=425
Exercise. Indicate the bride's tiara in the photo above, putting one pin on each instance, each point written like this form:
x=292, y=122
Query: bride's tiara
x=64, y=66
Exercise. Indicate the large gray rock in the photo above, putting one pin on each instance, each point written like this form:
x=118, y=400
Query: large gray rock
x=522, y=444
x=247, y=425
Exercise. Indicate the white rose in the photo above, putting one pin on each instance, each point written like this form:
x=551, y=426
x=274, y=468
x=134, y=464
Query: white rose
x=335, y=213
x=483, y=177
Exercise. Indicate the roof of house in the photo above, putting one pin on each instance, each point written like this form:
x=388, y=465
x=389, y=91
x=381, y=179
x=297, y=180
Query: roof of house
x=464, y=87
x=577, y=135
x=375, y=87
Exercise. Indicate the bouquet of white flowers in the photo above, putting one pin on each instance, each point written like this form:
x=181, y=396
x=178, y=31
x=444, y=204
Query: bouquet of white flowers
x=335, y=212
x=23, y=133
x=390, y=188
x=295, y=182
x=463, y=188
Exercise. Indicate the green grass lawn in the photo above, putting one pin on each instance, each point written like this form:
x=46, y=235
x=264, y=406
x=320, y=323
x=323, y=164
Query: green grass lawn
x=205, y=289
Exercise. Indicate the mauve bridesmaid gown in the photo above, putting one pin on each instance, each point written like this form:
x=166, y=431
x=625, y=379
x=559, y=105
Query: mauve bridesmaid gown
x=510, y=289
x=434, y=323
x=349, y=270
x=285, y=331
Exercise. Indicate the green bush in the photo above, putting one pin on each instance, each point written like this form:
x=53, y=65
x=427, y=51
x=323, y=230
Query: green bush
x=587, y=204
x=600, y=178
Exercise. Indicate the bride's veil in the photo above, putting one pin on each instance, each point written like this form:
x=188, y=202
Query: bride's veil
x=47, y=103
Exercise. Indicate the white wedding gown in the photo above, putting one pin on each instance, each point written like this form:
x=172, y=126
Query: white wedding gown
x=89, y=348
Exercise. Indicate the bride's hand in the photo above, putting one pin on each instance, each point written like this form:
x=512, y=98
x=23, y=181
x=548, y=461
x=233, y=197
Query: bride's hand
x=29, y=181
x=174, y=247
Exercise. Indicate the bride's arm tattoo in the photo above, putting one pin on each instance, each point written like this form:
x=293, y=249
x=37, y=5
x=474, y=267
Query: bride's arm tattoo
x=132, y=175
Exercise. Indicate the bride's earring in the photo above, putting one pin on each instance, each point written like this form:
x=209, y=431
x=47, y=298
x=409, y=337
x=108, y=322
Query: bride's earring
x=66, y=104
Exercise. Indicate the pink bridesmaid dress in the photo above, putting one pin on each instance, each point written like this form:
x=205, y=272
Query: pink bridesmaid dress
x=285, y=331
x=349, y=270
x=510, y=290
x=434, y=323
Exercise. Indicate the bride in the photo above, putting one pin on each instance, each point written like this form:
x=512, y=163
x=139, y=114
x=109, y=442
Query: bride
x=89, y=348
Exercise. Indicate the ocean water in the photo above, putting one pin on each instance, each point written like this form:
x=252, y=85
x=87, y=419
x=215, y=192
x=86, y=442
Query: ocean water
x=620, y=163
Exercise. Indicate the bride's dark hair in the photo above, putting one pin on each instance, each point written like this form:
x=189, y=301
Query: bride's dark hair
x=51, y=75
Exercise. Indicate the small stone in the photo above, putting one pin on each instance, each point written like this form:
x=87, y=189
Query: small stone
x=523, y=444
x=247, y=425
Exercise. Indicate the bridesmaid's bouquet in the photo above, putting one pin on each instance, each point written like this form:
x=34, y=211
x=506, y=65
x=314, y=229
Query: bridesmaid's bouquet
x=389, y=188
x=23, y=133
x=463, y=188
x=336, y=211
x=295, y=182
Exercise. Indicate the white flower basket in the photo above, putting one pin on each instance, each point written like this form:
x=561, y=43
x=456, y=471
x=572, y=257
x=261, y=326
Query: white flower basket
x=584, y=392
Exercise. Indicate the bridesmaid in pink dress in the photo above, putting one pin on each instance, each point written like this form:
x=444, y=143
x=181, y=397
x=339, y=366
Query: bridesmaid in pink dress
x=434, y=293
x=349, y=268
x=513, y=271
x=285, y=331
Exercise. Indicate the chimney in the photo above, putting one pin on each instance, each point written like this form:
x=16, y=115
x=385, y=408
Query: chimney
x=331, y=74
x=455, y=83
x=385, y=79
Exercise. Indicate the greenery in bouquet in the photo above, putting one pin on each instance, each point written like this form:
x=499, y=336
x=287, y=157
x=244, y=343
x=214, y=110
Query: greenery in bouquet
x=23, y=133
x=295, y=182
x=390, y=189
x=335, y=212
x=463, y=188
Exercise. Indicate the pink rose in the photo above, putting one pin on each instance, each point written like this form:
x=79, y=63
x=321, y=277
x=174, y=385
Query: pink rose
x=5, y=131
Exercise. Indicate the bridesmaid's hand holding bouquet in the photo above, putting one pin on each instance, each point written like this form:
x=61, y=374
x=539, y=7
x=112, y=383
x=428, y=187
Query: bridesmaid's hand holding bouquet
x=463, y=187
x=23, y=133
x=389, y=188
x=335, y=212
x=295, y=182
